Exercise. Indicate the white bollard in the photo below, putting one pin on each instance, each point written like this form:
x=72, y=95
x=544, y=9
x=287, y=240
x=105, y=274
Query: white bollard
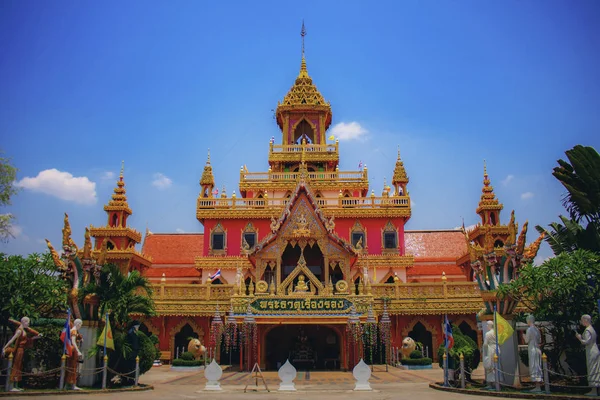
x=287, y=373
x=362, y=373
x=213, y=373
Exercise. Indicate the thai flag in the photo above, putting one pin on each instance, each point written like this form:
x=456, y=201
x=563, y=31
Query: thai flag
x=360, y=165
x=215, y=275
x=215, y=192
x=448, y=338
x=65, y=337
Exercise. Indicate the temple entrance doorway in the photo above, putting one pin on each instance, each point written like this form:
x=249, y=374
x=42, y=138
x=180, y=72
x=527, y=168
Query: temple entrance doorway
x=308, y=347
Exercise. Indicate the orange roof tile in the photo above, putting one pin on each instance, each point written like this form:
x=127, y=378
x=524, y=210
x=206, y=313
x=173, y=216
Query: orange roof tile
x=447, y=245
x=172, y=272
x=173, y=248
x=449, y=269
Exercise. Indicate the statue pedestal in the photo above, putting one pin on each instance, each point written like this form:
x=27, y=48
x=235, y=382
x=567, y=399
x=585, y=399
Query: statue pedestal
x=287, y=374
x=89, y=334
x=213, y=373
x=362, y=373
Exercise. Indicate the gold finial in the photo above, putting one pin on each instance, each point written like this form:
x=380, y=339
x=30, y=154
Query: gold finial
x=398, y=152
x=484, y=168
x=208, y=158
x=122, y=168
x=303, y=33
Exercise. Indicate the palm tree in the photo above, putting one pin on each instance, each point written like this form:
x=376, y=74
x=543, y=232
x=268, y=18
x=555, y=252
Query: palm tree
x=581, y=178
x=121, y=295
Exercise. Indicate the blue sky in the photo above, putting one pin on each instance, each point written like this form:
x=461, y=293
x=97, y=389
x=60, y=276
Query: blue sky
x=87, y=84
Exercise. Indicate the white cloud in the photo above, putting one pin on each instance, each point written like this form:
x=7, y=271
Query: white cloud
x=527, y=195
x=108, y=175
x=179, y=230
x=17, y=232
x=161, y=181
x=348, y=131
x=507, y=180
x=539, y=260
x=63, y=185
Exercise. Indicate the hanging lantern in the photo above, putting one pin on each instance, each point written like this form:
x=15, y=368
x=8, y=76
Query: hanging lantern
x=370, y=332
x=385, y=329
x=353, y=331
x=249, y=332
x=216, y=330
x=231, y=331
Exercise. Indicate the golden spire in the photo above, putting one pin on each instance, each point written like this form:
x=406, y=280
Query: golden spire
x=87, y=245
x=207, y=178
x=118, y=201
x=303, y=93
x=399, y=171
x=55, y=257
x=67, y=240
x=488, y=199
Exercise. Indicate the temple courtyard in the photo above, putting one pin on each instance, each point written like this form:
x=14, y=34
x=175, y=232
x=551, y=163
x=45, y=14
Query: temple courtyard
x=394, y=384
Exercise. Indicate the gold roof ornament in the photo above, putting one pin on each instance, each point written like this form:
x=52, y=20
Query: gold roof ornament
x=399, y=171
x=118, y=201
x=207, y=178
x=522, y=238
x=66, y=231
x=532, y=250
x=512, y=230
x=87, y=245
x=303, y=94
x=488, y=198
x=55, y=257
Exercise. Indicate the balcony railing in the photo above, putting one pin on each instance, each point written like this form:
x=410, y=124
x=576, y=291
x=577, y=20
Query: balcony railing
x=324, y=202
x=308, y=148
x=337, y=176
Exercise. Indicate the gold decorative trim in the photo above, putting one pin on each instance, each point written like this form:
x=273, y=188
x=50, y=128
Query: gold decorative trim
x=223, y=262
x=411, y=325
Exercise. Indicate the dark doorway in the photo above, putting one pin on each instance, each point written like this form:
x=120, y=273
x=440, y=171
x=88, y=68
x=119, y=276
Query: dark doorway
x=183, y=338
x=466, y=329
x=306, y=346
x=420, y=334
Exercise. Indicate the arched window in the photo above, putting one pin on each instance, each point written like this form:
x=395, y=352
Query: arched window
x=115, y=220
x=110, y=245
x=218, y=240
x=389, y=238
x=358, y=235
x=304, y=131
x=249, y=236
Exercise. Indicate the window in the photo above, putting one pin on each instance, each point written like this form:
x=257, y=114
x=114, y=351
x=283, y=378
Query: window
x=356, y=237
x=389, y=240
x=110, y=245
x=250, y=238
x=218, y=241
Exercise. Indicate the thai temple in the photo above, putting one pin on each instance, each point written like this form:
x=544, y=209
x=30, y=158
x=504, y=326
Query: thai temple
x=302, y=247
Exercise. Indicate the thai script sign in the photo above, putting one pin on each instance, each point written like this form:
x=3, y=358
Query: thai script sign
x=277, y=305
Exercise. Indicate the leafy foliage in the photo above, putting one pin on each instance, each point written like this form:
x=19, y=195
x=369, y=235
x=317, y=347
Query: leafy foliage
x=416, y=354
x=464, y=345
x=560, y=291
x=30, y=287
x=186, y=355
x=178, y=362
x=45, y=354
x=121, y=295
x=417, y=361
x=581, y=177
x=8, y=174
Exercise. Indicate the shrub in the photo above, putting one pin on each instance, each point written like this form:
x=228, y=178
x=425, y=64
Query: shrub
x=178, y=362
x=187, y=356
x=415, y=354
x=417, y=361
x=45, y=354
x=464, y=345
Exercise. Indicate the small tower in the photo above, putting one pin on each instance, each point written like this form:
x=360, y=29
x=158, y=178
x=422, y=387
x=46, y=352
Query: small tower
x=207, y=181
x=489, y=207
x=118, y=238
x=400, y=179
x=303, y=115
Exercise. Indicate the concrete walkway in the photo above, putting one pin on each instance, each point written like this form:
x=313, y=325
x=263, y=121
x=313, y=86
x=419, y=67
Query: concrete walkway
x=323, y=385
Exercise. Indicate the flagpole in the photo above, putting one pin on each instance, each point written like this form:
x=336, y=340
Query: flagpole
x=105, y=332
x=445, y=350
x=497, y=339
x=68, y=332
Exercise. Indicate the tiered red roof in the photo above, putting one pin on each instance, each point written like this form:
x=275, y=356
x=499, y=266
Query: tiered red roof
x=173, y=254
x=435, y=252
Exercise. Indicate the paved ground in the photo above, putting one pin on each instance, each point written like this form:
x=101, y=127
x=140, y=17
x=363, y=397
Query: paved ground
x=323, y=385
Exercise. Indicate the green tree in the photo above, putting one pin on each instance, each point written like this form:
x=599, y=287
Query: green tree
x=121, y=295
x=30, y=286
x=124, y=296
x=581, y=177
x=8, y=175
x=560, y=291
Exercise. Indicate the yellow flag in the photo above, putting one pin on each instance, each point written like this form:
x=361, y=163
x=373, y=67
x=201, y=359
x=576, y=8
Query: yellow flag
x=106, y=333
x=331, y=137
x=504, y=329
